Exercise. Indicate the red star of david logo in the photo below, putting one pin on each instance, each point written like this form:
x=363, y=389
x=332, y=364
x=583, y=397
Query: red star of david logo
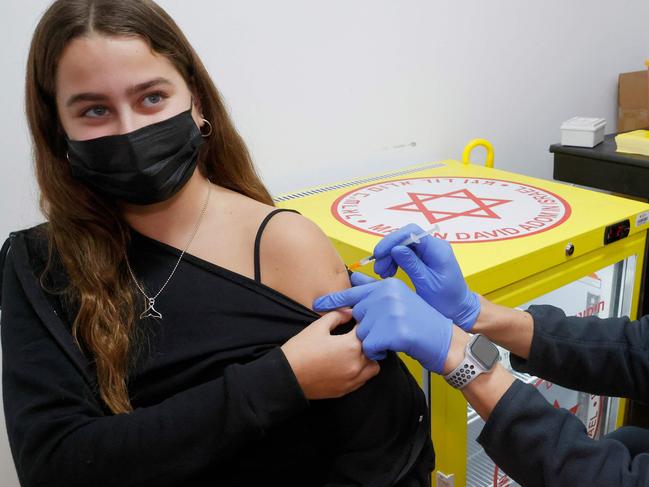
x=482, y=208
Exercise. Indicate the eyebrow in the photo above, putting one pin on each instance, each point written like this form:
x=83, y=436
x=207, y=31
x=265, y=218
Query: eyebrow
x=129, y=91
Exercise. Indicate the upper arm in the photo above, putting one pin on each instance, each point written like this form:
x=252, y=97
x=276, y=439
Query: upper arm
x=298, y=260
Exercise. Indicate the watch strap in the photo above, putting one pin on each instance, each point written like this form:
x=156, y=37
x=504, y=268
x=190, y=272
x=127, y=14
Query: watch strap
x=464, y=373
x=470, y=367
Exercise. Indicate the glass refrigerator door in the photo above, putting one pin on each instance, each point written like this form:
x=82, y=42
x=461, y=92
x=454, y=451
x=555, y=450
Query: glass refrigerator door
x=605, y=293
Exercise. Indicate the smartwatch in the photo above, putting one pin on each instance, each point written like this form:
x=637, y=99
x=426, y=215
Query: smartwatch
x=480, y=357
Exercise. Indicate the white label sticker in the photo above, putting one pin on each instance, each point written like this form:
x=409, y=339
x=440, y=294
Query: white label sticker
x=642, y=218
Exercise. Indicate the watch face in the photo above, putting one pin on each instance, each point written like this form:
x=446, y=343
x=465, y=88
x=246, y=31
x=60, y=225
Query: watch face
x=485, y=351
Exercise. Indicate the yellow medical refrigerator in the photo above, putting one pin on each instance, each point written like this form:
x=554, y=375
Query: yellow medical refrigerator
x=519, y=241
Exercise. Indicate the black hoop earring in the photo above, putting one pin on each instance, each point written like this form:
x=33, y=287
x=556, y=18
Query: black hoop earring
x=209, y=126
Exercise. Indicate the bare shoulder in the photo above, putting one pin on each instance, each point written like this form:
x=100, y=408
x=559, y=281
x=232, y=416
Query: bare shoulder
x=298, y=259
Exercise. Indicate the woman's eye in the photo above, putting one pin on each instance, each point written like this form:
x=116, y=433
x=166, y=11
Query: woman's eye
x=153, y=99
x=95, y=112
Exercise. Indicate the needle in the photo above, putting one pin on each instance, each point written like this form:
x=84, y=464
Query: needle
x=410, y=240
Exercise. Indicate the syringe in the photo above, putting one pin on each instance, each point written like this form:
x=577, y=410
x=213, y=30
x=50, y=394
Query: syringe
x=410, y=240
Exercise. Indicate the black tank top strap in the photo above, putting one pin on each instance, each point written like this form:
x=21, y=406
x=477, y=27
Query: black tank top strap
x=258, y=239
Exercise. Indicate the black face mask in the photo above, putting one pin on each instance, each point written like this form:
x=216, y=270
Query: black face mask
x=146, y=166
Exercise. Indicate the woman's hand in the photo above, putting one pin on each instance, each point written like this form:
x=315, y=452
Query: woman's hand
x=326, y=365
x=392, y=317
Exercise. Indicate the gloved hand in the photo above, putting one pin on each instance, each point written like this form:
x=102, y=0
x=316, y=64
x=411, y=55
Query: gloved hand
x=392, y=317
x=434, y=272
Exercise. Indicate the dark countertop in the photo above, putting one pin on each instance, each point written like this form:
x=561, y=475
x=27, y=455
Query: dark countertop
x=603, y=168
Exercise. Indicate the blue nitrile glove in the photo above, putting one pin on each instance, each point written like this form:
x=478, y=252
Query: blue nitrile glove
x=392, y=317
x=434, y=272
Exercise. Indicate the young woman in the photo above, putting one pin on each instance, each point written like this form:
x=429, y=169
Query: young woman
x=150, y=335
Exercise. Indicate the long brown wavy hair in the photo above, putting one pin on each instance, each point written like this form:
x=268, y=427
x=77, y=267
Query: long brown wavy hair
x=86, y=230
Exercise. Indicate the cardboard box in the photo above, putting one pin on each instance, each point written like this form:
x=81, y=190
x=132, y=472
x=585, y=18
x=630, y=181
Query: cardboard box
x=633, y=101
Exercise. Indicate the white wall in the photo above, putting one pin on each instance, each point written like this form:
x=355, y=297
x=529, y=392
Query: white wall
x=323, y=91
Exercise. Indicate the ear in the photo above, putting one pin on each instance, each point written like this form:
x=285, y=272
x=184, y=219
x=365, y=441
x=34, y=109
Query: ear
x=197, y=110
x=197, y=105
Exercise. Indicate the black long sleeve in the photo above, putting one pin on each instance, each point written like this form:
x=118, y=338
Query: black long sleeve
x=538, y=445
x=601, y=356
x=60, y=435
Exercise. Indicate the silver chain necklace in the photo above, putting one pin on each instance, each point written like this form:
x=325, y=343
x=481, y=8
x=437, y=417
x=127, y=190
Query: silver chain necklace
x=150, y=310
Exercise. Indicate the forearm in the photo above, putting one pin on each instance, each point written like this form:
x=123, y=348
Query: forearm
x=557, y=448
x=510, y=328
x=579, y=353
x=484, y=392
x=179, y=438
x=601, y=356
